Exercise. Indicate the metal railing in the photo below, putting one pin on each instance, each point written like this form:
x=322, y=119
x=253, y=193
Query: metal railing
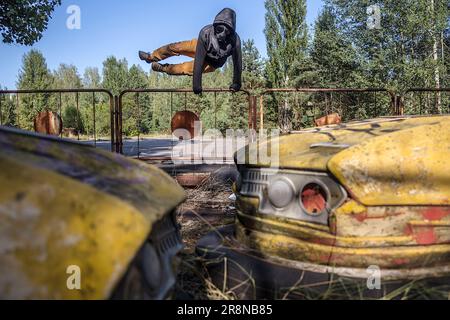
x=309, y=102
x=345, y=101
x=58, y=108
x=171, y=106
x=426, y=101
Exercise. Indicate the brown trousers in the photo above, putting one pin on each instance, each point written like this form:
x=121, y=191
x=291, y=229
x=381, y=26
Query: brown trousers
x=183, y=48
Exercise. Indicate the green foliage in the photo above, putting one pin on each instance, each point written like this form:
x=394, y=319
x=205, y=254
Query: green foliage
x=137, y=113
x=411, y=49
x=8, y=116
x=73, y=114
x=115, y=74
x=23, y=21
x=34, y=75
x=332, y=54
x=287, y=39
x=252, y=66
x=398, y=55
x=287, y=44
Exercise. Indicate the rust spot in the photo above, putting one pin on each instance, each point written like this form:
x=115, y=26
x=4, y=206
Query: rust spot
x=400, y=261
x=333, y=118
x=408, y=230
x=48, y=122
x=314, y=198
x=361, y=216
x=323, y=241
x=192, y=180
x=183, y=122
x=425, y=235
x=324, y=258
x=435, y=213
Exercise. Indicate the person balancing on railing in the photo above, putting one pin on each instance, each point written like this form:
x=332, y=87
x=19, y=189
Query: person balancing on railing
x=216, y=42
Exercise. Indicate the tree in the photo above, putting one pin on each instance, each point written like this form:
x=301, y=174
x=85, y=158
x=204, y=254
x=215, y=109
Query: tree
x=73, y=109
x=91, y=78
x=23, y=21
x=287, y=42
x=334, y=59
x=8, y=116
x=401, y=53
x=252, y=65
x=34, y=75
x=67, y=77
x=137, y=108
x=115, y=74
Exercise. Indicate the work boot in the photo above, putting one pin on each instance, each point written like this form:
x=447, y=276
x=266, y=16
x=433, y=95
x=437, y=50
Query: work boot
x=158, y=67
x=147, y=57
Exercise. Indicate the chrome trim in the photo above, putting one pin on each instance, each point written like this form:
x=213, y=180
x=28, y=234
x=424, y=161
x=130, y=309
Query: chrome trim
x=255, y=182
x=329, y=145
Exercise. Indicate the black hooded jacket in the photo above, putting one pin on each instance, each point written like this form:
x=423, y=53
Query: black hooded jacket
x=209, y=50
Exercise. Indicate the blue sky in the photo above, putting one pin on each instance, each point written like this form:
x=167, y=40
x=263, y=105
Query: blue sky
x=121, y=28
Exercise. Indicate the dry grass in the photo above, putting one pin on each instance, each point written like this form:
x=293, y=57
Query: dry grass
x=206, y=208
x=194, y=283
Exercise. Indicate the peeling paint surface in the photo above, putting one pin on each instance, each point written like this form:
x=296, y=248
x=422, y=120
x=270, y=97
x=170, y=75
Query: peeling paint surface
x=397, y=216
x=64, y=204
x=405, y=167
x=296, y=149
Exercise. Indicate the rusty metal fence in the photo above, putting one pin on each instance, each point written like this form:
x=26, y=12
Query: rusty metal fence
x=123, y=116
x=133, y=105
x=303, y=105
x=19, y=108
x=426, y=101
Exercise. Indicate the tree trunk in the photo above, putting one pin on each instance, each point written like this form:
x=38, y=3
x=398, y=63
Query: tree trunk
x=285, y=114
x=436, y=60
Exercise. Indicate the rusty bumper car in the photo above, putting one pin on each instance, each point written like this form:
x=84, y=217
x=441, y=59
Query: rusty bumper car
x=351, y=201
x=82, y=223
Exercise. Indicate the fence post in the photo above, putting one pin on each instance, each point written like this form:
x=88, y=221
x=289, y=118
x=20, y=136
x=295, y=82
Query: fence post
x=252, y=114
x=116, y=128
x=261, y=113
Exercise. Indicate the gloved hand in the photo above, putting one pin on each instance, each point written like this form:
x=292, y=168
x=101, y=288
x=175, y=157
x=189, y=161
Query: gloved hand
x=197, y=90
x=235, y=87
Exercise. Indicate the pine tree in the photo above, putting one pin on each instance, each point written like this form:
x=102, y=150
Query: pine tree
x=73, y=115
x=139, y=111
x=401, y=53
x=332, y=54
x=287, y=41
x=252, y=65
x=115, y=74
x=34, y=75
x=8, y=115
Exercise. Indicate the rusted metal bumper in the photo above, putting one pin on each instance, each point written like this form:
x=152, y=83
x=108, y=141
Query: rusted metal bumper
x=251, y=274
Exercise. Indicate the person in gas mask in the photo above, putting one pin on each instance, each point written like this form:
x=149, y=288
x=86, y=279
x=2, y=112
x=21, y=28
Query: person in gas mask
x=216, y=42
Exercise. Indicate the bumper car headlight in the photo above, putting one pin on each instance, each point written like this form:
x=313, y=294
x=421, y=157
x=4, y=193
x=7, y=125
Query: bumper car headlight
x=295, y=194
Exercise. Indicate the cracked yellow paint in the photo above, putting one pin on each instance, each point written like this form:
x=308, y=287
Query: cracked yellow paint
x=292, y=248
x=297, y=151
x=405, y=167
x=397, y=215
x=64, y=204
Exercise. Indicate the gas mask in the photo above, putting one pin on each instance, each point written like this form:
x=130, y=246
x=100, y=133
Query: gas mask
x=222, y=32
